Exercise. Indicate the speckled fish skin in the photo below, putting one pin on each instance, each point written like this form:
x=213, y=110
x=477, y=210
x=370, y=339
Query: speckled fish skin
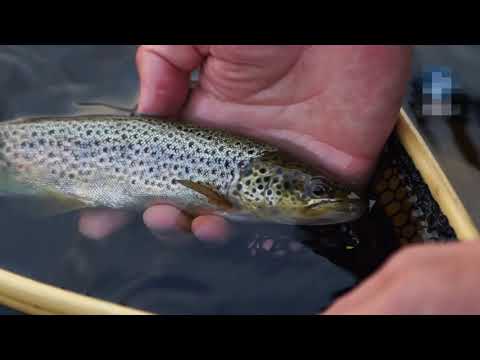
x=133, y=162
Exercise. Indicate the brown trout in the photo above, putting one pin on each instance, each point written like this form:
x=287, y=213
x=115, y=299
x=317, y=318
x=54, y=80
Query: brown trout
x=133, y=162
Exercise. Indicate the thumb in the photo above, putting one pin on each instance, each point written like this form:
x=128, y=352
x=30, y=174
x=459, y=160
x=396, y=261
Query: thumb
x=164, y=72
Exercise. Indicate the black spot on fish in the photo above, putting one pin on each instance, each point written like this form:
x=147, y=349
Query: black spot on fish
x=269, y=192
x=190, y=144
x=51, y=132
x=239, y=186
x=89, y=132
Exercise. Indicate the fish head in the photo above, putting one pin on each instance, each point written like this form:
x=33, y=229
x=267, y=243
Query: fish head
x=284, y=191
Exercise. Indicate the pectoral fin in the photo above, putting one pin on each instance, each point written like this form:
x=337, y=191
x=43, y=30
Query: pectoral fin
x=209, y=192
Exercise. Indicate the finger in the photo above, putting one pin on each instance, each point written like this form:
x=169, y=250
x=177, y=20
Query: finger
x=371, y=293
x=99, y=223
x=363, y=295
x=161, y=219
x=164, y=72
x=211, y=229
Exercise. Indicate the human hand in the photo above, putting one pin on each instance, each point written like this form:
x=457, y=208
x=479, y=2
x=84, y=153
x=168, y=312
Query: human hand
x=333, y=106
x=419, y=280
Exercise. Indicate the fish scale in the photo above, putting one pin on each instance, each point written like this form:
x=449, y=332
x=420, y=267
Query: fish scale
x=132, y=162
x=135, y=157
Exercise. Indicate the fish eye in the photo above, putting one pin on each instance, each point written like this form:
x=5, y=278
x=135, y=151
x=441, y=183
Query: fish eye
x=318, y=191
x=317, y=187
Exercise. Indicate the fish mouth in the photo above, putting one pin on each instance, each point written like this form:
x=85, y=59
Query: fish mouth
x=337, y=211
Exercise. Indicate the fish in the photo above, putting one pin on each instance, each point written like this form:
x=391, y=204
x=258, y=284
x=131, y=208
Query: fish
x=70, y=163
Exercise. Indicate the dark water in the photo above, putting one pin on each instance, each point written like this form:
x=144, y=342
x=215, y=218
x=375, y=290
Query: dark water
x=131, y=267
